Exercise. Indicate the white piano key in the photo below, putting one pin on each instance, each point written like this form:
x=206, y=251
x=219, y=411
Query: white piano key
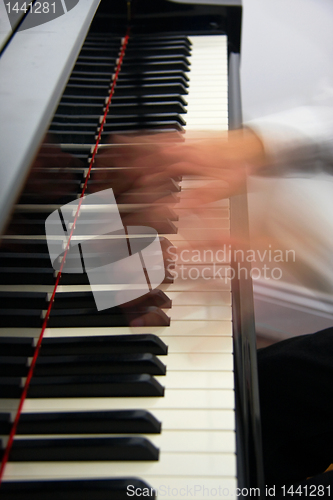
x=204, y=488
x=199, y=419
x=174, y=464
x=201, y=234
x=207, y=312
x=199, y=380
x=215, y=204
x=200, y=488
x=193, y=183
x=216, y=328
x=182, y=344
x=200, y=298
x=193, y=223
x=173, y=441
x=215, y=271
x=214, y=399
x=200, y=361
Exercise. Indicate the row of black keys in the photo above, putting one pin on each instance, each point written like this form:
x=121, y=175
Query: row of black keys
x=106, y=422
x=78, y=309
x=26, y=261
x=105, y=366
x=148, y=94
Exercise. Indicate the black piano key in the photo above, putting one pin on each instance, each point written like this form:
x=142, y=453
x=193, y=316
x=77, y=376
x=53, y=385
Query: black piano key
x=5, y=424
x=87, y=89
x=86, y=386
x=83, y=449
x=160, y=38
x=161, y=227
x=137, y=39
x=82, y=137
x=13, y=366
x=97, y=364
x=27, y=227
x=99, y=59
x=17, y=346
x=108, y=317
x=30, y=215
x=38, y=276
x=138, y=126
x=143, y=118
x=168, y=50
x=57, y=184
x=150, y=88
x=139, y=59
x=68, y=119
x=182, y=64
x=108, y=344
x=28, y=276
x=11, y=387
x=66, y=175
x=77, y=109
x=128, y=99
x=95, y=386
x=151, y=197
x=68, y=300
x=74, y=137
x=28, y=261
x=105, y=77
x=26, y=246
x=69, y=279
x=139, y=79
x=90, y=422
x=66, y=124
x=83, y=489
x=86, y=108
x=105, y=67
x=101, y=175
x=30, y=300
x=137, y=51
x=92, y=82
x=43, y=198
x=62, y=318
x=25, y=258
x=73, y=127
x=147, y=107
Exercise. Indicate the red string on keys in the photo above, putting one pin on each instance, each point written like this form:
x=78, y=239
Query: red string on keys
x=48, y=312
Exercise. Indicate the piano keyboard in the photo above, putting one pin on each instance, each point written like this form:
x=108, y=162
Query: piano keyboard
x=197, y=443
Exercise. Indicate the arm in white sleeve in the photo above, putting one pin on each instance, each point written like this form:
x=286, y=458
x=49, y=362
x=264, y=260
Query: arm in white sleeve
x=297, y=138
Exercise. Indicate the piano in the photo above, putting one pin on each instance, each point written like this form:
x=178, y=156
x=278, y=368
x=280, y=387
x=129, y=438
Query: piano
x=114, y=409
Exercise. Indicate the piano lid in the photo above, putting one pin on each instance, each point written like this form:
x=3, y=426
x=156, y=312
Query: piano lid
x=34, y=67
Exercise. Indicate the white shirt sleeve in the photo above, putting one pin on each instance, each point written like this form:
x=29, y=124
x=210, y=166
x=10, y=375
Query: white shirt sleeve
x=297, y=137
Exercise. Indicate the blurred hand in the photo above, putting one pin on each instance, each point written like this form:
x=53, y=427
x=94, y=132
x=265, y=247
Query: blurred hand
x=224, y=159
